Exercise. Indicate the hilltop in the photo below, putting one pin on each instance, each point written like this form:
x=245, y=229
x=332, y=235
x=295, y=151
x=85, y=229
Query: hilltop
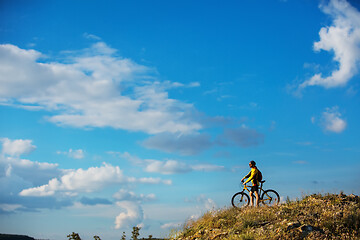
x=316, y=216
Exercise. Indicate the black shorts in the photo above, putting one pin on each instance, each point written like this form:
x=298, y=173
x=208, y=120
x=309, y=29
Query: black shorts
x=254, y=188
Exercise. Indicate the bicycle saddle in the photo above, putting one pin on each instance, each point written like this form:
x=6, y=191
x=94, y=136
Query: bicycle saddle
x=262, y=181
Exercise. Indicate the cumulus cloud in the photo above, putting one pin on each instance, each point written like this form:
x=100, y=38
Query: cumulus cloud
x=31, y=171
x=11, y=163
x=132, y=216
x=343, y=39
x=93, y=88
x=331, y=120
x=89, y=180
x=17, y=147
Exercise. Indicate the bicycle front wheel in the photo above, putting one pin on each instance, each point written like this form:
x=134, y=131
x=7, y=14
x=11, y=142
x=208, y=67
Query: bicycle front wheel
x=270, y=198
x=240, y=199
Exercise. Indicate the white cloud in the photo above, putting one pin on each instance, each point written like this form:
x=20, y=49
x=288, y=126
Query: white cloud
x=8, y=170
x=172, y=225
x=76, y=154
x=153, y=181
x=89, y=180
x=173, y=166
x=91, y=36
x=166, y=167
x=17, y=147
x=92, y=88
x=331, y=120
x=125, y=195
x=30, y=171
x=343, y=39
x=170, y=166
x=133, y=215
x=10, y=207
x=203, y=204
x=207, y=203
x=207, y=167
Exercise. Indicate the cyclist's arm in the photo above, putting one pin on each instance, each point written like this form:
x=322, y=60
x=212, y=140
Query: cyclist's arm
x=247, y=175
x=252, y=174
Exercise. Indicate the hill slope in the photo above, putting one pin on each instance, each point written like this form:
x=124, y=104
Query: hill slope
x=314, y=217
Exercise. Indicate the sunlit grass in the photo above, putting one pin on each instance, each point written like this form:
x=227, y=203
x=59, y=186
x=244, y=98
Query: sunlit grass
x=315, y=216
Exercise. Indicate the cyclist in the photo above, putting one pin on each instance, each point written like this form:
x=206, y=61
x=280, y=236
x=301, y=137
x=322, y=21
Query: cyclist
x=252, y=176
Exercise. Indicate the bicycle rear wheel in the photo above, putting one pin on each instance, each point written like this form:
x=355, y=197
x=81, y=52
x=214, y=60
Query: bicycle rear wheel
x=240, y=199
x=270, y=198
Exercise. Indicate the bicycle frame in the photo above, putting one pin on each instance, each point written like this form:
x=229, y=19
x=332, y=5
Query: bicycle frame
x=261, y=190
x=246, y=187
x=267, y=197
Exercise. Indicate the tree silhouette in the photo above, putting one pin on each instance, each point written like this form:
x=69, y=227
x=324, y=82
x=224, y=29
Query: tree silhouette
x=123, y=237
x=135, y=233
x=74, y=236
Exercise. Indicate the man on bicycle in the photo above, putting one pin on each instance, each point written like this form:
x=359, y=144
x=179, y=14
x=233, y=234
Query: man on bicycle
x=252, y=176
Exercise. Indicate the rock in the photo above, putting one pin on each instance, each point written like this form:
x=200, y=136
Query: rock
x=293, y=225
x=306, y=228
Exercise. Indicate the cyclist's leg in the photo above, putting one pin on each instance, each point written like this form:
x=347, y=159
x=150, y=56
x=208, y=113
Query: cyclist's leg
x=254, y=190
x=251, y=198
x=257, y=198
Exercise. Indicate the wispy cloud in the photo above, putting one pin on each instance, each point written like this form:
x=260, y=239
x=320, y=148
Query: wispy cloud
x=172, y=225
x=242, y=137
x=91, y=36
x=76, y=154
x=126, y=195
x=190, y=144
x=343, y=39
x=170, y=166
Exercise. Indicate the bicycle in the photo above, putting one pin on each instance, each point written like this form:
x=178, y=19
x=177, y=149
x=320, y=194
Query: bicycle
x=267, y=197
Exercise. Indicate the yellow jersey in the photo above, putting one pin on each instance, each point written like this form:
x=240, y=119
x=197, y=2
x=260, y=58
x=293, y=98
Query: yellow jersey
x=252, y=176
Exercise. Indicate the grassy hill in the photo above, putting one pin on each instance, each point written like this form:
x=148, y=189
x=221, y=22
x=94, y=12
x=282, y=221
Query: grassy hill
x=313, y=217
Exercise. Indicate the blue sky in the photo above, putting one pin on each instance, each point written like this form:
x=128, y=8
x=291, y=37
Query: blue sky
x=146, y=113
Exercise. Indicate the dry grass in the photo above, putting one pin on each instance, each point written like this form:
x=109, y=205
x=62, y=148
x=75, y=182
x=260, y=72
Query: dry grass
x=313, y=217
